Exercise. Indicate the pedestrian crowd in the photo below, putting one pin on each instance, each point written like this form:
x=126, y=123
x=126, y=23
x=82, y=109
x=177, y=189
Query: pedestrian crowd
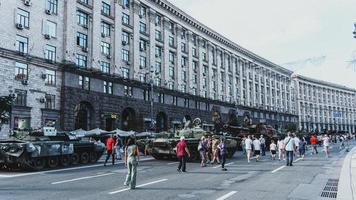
x=213, y=150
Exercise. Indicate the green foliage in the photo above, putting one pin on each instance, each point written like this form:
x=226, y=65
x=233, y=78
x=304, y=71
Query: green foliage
x=5, y=109
x=291, y=127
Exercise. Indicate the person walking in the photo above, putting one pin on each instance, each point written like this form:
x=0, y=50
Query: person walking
x=273, y=149
x=202, y=151
x=118, y=148
x=296, y=142
x=280, y=145
x=131, y=162
x=257, y=147
x=248, y=146
x=110, y=143
x=314, y=143
x=302, y=147
x=243, y=146
x=263, y=145
x=215, y=151
x=326, y=143
x=290, y=149
x=182, y=151
x=209, y=154
x=223, y=152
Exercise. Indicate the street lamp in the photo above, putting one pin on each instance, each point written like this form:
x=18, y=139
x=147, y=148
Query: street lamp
x=153, y=74
x=12, y=96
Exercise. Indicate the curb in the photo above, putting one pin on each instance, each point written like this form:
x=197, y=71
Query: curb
x=346, y=188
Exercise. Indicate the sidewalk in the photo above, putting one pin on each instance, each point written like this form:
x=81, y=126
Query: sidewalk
x=347, y=181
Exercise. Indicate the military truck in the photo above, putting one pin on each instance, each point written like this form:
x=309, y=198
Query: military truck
x=47, y=148
x=165, y=148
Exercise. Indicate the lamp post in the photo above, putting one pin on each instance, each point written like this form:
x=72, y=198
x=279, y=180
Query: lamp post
x=153, y=73
x=12, y=96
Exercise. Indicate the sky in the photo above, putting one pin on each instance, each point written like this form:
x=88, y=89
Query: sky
x=311, y=37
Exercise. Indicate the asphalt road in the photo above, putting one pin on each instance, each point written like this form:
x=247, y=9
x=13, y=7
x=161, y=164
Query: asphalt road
x=159, y=180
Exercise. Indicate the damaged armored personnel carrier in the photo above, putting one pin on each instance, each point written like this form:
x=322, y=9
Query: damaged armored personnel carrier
x=47, y=149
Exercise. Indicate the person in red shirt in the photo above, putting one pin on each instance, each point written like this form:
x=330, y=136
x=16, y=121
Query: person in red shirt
x=182, y=148
x=314, y=143
x=110, y=143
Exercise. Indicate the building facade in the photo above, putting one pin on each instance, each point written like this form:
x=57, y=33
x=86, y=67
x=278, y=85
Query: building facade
x=30, y=46
x=324, y=106
x=123, y=64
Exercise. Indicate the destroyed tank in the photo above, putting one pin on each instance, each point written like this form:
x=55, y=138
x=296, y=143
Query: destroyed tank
x=165, y=148
x=47, y=149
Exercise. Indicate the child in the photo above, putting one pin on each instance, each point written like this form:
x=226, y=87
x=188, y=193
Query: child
x=273, y=148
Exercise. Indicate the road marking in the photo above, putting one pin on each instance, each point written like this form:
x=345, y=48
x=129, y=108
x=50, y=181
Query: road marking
x=139, y=186
x=279, y=168
x=62, y=170
x=82, y=178
x=226, y=195
x=225, y=165
x=172, y=163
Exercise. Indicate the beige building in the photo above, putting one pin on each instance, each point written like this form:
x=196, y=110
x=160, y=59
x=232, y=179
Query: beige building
x=325, y=106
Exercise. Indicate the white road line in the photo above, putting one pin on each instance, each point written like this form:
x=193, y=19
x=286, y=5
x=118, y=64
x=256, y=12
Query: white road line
x=82, y=178
x=225, y=165
x=142, y=185
x=279, y=168
x=172, y=163
x=226, y=195
x=62, y=170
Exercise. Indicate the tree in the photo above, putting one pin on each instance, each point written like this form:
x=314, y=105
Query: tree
x=291, y=127
x=5, y=109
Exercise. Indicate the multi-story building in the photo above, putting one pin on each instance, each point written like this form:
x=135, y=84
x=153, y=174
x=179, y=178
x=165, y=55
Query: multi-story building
x=31, y=45
x=325, y=106
x=105, y=56
x=114, y=50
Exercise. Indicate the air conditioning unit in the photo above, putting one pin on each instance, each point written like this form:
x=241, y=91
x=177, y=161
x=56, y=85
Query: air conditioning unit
x=24, y=82
x=141, y=16
x=44, y=76
x=19, y=26
x=85, y=26
x=128, y=62
x=27, y=2
x=108, y=56
x=85, y=49
x=142, y=49
x=156, y=55
x=124, y=43
x=42, y=100
x=47, y=36
x=103, y=35
x=48, y=12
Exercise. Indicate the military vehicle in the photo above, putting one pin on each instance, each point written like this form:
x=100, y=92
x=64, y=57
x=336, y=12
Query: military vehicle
x=47, y=149
x=165, y=148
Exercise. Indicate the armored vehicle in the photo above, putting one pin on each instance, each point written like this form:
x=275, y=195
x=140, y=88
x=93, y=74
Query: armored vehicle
x=47, y=149
x=165, y=148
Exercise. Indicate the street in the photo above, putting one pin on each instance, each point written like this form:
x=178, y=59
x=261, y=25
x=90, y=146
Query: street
x=159, y=180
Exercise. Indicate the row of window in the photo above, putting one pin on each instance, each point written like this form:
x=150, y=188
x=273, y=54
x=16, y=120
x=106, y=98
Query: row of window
x=21, y=99
x=84, y=83
x=22, y=73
